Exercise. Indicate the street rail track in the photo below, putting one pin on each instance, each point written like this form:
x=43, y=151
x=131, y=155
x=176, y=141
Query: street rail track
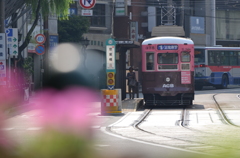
x=189, y=144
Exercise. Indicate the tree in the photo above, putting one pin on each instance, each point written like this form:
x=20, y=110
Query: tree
x=57, y=7
x=44, y=7
x=71, y=30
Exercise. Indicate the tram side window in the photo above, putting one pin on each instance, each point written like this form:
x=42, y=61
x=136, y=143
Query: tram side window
x=150, y=61
x=185, y=57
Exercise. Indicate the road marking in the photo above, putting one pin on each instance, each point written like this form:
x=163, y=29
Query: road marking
x=95, y=127
x=25, y=116
x=34, y=128
x=99, y=145
x=7, y=129
x=238, y=96
x=103, y=129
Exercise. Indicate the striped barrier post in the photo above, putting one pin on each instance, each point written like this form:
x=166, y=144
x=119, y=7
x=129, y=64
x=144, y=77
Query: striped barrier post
x=110, y=102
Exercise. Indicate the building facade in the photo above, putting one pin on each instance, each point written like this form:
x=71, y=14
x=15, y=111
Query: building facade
x=129, y=22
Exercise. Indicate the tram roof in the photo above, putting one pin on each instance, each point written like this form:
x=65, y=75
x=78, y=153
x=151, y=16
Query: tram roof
x=167, y=40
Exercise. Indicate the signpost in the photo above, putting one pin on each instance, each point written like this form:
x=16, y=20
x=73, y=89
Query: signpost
x=110, y=62
x=2, y=46
x=3, y=72
x=40, y=49
x=40, y=39
x=12, y=41
x=87, y=4
x=53, y=41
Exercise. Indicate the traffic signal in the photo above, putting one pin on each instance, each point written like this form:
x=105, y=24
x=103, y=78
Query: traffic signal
x=110, y=78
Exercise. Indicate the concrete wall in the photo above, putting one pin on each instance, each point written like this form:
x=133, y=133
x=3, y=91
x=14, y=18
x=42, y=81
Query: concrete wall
x=93, y=66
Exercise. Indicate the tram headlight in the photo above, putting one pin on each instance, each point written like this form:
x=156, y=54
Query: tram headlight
x=168, y=79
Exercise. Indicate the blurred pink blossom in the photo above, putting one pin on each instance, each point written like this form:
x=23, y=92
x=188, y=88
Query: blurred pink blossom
x=7, y=145
x=66, y=110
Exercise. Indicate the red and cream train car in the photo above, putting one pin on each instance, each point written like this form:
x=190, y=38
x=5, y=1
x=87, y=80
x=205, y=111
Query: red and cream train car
x=168, y=71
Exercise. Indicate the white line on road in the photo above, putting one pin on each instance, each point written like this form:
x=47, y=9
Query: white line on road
x=95, y=127
x=103, y=129
x=7, y=129
x=99, y=145
x=34, y=128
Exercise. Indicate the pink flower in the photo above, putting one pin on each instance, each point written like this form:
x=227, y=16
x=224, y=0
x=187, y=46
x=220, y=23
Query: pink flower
x=66, y=110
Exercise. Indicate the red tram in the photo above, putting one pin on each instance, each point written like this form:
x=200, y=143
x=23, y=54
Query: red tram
x=168, y=71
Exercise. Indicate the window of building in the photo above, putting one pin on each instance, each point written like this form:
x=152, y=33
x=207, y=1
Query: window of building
x=99, y=15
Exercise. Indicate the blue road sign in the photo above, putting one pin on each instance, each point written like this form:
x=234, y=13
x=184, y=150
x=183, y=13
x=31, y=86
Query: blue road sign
x=40, y=49
x=9, y=32
x=53, y=41
x=110, y=87
x=72, y=11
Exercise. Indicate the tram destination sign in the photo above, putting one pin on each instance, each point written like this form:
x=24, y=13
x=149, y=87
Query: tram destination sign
x=167, y=47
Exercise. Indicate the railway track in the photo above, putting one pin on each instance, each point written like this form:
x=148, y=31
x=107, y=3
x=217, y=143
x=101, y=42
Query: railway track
x=207, y=139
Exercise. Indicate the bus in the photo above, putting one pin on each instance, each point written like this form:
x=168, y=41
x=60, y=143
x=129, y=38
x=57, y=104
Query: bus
x=216, y=66
x=168, y=71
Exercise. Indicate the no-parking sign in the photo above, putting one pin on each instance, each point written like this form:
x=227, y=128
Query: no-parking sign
x=40, y=49
x=87, y=4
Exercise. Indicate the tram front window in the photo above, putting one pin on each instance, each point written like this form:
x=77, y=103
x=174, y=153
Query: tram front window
x=167, y=58
x=150, y=61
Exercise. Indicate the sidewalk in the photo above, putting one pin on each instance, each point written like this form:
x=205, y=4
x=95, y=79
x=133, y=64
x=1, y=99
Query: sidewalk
x=131, y=105
x=128, y=105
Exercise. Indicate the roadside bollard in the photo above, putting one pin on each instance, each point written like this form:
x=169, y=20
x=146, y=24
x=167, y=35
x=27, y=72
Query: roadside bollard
x=109, y=102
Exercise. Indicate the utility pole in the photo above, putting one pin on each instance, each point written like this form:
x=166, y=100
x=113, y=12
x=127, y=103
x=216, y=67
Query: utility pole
x=213, y=23
x=2, y=16
x=46, y=55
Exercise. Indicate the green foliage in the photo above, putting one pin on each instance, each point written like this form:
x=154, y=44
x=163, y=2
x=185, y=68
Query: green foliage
x=56, y=144
x=71, y=30
x=58, y=7
x=28, y=69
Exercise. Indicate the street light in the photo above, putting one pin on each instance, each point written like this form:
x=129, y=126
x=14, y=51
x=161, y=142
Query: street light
x=84, y=42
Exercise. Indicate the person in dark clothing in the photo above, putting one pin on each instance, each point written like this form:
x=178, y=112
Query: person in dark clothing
x=131, y=76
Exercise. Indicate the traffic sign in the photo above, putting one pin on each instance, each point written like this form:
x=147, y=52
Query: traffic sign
x=3, y=46
x=12, y=40
x=87, y=4
x=110, y=78
x=110, y=87
x=40, y=38
x=40, y=49
x=3, y=72
x=110, y=55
